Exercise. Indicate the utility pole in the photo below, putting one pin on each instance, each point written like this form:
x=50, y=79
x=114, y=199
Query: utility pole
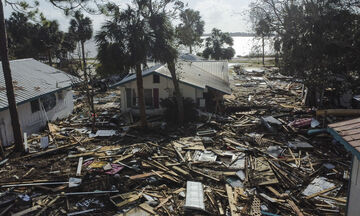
x=9, y=84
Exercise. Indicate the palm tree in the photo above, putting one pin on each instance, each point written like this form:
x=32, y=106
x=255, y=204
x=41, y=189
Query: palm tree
x=9, y=84
x=49, y=37
x=81, y=30
x=128, y=30
x=164, y=51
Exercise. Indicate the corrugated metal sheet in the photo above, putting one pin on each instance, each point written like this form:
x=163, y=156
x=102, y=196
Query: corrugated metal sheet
x=188, y=73
x=31, y=79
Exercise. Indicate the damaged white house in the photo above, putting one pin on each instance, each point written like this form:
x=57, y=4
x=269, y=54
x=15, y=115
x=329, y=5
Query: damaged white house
x=42, y=94
x=205, y=82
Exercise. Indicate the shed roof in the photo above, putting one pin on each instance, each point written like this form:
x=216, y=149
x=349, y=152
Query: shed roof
x=188, y=74
x=32, y=79
x=348, y=133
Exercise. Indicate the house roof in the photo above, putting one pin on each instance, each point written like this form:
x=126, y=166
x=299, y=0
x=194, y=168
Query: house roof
x=32, y=79
x=347, y=133
x=188, y=74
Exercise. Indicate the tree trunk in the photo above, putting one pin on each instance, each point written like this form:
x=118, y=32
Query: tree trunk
x=140, y=89
x=179, y=100
x=190, y=47
x=263, y=51
x=9, y=84
x=89, y=95
x=49, y=56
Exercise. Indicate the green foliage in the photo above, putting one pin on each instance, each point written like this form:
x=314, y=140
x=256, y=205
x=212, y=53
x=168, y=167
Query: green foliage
x=317, y=41
x=80, y=27
x=171, y=110
x=135, y=33
x=191, y=28
x=215, y=46
x=40, y=40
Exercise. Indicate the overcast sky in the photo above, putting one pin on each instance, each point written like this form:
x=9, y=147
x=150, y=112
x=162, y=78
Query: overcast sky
x=227, y=15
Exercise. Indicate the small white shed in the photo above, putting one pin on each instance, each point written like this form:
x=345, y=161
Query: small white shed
x=42, y=94
x=203, y=81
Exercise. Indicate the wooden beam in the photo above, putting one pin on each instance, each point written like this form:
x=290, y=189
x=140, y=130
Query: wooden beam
x=232, y=202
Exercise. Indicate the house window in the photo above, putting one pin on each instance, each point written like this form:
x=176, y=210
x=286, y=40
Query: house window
x=134, y=98
x=35, y=106
x=60, y=96
x=48, y=101
x=128, y=97
x=148, y=97
x=156, y=78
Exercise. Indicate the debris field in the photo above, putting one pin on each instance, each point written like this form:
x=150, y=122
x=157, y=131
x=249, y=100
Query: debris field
x=256, y=158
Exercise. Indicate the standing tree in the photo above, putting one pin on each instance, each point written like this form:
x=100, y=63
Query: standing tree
x=81, y=30
x=137, y=33
x=129, y=30
x=215, y=46
x=163, y=50
x=49, y=38
x=261, y=24
x=191, y=28
x=8, y=83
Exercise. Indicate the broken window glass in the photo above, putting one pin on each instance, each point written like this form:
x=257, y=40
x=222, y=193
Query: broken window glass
x=35, y=106
x=48, y=101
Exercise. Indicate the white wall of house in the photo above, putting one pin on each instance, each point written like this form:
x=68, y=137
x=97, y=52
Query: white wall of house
x=32, y=122
x=165, y=87
x=354, y=197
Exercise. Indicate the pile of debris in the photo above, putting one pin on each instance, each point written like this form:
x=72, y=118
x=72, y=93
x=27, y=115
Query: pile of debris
x=256, y=160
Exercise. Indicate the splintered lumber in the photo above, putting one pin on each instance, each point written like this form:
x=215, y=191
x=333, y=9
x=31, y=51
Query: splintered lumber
x=232, y=202
x=320, y=192
x=276, y=193
x=295, y=208
x=178, y=169
x=145, y=175
x=210, y=177
x=338, y=112
x=47, y=206
x=49, y=151
x=28, y=172
x=234, y=142
x=26, y=211
x=163, y=202
x=334, y=198
x=147, y=208
x=123, y=158
x=78, y=171
x=180, y=155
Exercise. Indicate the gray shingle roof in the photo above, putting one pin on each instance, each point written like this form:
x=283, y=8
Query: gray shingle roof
x=31, y=79
x=188, y=74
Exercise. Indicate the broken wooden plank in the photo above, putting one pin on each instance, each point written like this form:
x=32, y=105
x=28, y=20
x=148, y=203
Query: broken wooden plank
x=27, y=211
x=78, y=171
x=320, y=192
x=163, y=202
x=232, y=202
x=295, y=208
x=145, y=175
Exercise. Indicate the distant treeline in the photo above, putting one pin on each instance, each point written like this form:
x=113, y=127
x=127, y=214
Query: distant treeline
x=235, y=34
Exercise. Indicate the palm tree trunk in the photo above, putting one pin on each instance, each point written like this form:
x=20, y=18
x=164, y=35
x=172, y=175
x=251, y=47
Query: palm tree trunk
x=179, y=100
x=49, y=56
x=9, y=84
x=89, y=95
x=263, y=51
x=140, y=89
